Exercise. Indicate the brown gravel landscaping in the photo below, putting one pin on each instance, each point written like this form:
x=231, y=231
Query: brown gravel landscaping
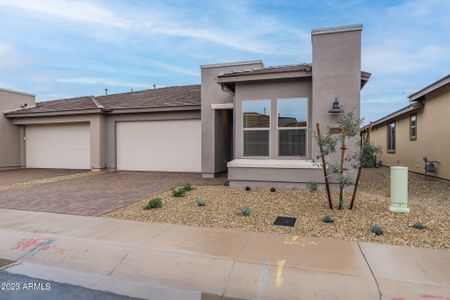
x=429, y=202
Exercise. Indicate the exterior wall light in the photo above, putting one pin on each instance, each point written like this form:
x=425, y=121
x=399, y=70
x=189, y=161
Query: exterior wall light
x=336, y=108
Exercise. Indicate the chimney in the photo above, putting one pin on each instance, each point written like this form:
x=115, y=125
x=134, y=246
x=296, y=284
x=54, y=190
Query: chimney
x=336, y=74
x=336, y=71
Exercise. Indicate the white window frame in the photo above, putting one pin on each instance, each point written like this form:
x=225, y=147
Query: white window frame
x=413, y=137
x=389, y=130
x=269, y=129
x=293, y=128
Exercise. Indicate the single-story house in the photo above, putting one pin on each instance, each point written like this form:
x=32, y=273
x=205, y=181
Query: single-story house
x=252, y=121
x=419, y=130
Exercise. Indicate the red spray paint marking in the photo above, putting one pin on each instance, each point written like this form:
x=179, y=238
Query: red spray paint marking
x=36, y=245
x=428, y=296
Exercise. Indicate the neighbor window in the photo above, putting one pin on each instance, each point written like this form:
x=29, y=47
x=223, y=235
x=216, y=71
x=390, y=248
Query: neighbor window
x=256, y=126
x=292, y=126
x=391, y=137
x=413, y=127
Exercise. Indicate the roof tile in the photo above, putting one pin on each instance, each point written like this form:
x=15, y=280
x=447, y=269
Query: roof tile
x=167, y=96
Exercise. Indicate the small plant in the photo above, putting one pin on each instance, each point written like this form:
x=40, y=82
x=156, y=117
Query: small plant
x=244, y=211
x=178, y=192
x=273, y=190
x=327, y=219
x=312, y=186
x=153, y=203
x=419, y=225
x=188, y=187
x=247, y=188
x=377, y=230
x=200, y=202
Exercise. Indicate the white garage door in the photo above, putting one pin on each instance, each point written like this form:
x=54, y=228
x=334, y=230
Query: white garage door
x=58, y=146
x=159, y=146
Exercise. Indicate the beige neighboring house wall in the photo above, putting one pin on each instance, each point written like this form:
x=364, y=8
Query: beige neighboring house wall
x=433, y=135
x=11, y=136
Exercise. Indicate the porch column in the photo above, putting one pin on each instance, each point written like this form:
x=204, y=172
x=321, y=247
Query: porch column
x=98, y=142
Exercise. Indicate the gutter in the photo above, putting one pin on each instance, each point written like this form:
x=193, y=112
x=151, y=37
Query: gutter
x=103, y=110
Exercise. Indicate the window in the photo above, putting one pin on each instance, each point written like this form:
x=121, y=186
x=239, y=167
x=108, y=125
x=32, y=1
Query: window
x=391, y=138
x=256, y=126
x=292, y=126
x=413, y=127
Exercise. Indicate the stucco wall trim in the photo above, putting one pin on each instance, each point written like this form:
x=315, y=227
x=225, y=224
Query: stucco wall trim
x=356, y=27
x=222, y=106
x=272, y=163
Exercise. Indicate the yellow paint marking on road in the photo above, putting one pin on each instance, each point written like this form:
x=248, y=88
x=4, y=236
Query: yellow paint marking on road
x=279, y=278
x=19, y=185
x=295, y=240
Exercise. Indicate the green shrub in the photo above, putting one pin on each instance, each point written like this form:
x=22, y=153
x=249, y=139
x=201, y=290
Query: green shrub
x=188, y=187
x=377, y=230
x=178, y=192
x=245, y=211
x=200, y=202
x=419, y=225
x=327, y=219
x=368, y=155
x=312, y=186
x=153, y=203
x=247, y=188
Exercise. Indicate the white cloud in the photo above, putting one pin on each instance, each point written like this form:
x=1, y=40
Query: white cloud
x=104, y=81
x=173, y=68
x=71, y=10
x=384, y=100
x=148, y=22
x=5, y=49
x=397, y=58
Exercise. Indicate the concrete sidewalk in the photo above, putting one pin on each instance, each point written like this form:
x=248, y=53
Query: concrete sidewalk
x=162, y=261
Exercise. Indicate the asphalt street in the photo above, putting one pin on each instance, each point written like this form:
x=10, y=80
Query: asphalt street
x=19, y=287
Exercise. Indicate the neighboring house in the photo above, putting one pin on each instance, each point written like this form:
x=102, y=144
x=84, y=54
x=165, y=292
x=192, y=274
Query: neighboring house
x=253, y=121
x=421, y=129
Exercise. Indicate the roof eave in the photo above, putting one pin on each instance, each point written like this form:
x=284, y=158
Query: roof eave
x=429, y=88
x=122, y=110
x=396, y=114
x=262, y=76
x=155, y=109
x=52, y=113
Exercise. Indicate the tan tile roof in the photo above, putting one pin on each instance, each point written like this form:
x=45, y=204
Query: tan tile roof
x=160, y=97
x=268, y=70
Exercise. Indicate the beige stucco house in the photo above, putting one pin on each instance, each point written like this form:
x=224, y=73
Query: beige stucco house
x=252, y=121
x=421, y=129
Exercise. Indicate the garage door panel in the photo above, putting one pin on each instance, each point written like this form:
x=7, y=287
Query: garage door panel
x=159, y=146
x=58, y=146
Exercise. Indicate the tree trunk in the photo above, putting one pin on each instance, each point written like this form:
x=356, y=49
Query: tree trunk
x=367, y=139
x=341, y=171
x=324, y=168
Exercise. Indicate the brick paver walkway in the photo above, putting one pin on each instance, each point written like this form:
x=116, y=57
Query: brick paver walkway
x=96, y=195
x=23, y=175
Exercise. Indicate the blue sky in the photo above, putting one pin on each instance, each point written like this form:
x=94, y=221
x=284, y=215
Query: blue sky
x=61, y=48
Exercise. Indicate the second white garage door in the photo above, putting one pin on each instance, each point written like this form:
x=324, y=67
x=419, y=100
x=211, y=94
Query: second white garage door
x=58, y=146
x=159, y=146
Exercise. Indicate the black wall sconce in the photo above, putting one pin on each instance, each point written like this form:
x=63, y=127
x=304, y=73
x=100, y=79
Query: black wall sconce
x=336, y=108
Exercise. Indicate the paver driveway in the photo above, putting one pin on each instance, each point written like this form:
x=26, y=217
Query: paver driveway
x=94, y=195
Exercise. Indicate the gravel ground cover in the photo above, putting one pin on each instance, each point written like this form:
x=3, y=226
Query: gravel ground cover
x=429, y=203
x=18, y=185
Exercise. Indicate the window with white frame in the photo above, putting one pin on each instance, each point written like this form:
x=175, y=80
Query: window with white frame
x=292, y=126
x=391, y=137
x=413, y=127
x=256, y=127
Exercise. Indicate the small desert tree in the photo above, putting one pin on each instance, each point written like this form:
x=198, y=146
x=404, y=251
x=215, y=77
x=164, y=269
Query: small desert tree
x=349, y=129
